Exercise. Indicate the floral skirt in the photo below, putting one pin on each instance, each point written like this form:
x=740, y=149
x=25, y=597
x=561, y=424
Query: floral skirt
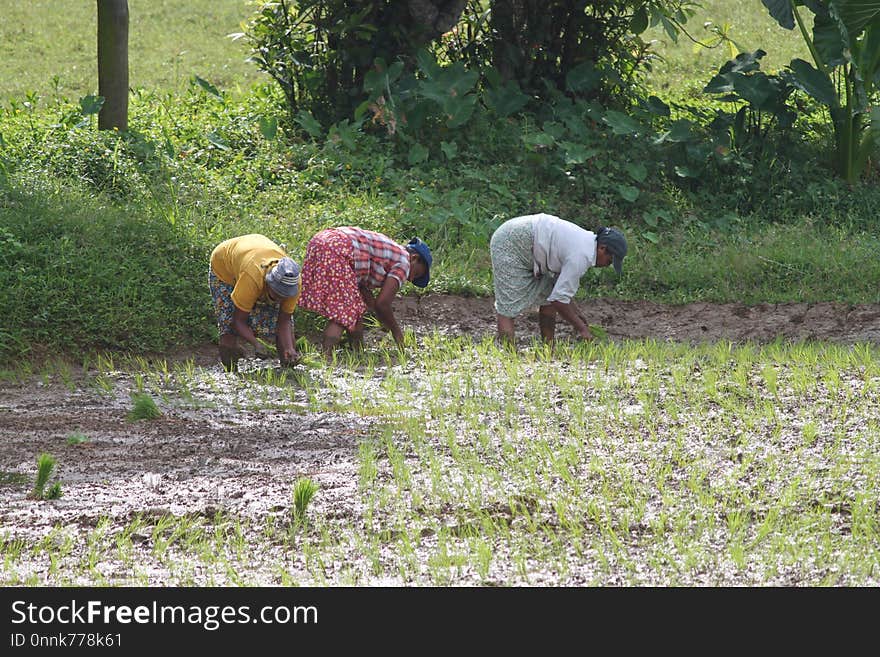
x=513, y=277
x=263, y=319
x=329, y=284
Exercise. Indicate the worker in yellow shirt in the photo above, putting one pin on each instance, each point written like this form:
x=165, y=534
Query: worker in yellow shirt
x=255, y=287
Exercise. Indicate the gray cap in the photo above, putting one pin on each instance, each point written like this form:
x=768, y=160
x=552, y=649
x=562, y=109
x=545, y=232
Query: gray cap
x=613, y=240
x=284, y=278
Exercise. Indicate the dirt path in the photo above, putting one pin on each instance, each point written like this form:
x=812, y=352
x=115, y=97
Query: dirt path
x=696, y=322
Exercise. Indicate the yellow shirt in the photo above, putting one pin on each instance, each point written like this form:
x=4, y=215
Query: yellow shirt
x=243, y=263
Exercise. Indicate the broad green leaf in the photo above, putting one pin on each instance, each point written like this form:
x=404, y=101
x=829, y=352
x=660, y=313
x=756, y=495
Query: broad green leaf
x=657, y=107
x=598, y=331
x=681, y=131
x=651, y=237
x=577, y=153
x=207, y=86
x=428, y=196
x=745, y=62
x=637, y=171
x=91, y=104
x=583, y=77
x=344, y=133
x=458, y=111
x=829, y=41
x=493, y=77
x=449, y=148
x=427, y=64
x=670, y=28
x=269, y=127
x=628, y=192
x=218, y=141
x=417, y=154
x=755, y=88
x=639, y=22
x=308, y=123
x=461, y=80
x=857, y=14
x=554, y=128
x=539, y=139
x=622, y=124
x=507, y=100
x=813, y=82
x=782, y=11
x=719, y=84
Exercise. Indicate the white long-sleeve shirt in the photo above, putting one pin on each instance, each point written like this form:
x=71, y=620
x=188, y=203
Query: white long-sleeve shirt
x=562, y=249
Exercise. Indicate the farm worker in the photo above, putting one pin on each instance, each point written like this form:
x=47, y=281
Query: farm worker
x=255, y=287
x=342, y=270
x=538, y=260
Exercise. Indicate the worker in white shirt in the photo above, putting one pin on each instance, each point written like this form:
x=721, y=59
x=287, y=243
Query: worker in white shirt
x=538, y=260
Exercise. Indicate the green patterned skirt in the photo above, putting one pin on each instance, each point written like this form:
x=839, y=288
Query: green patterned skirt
x=516, y=287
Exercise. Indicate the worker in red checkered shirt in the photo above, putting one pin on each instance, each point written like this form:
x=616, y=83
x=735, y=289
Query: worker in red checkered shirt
x=349, y=271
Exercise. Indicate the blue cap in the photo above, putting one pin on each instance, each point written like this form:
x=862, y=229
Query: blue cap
x=615, y=242
x=283, y=278
x=417, y=245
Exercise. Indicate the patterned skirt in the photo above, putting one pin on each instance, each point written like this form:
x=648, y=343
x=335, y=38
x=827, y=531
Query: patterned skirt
x=516, y=287
x=263, y=319
x=329, y=284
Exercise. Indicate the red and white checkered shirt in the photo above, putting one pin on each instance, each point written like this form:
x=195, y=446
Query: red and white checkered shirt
x=377, y=256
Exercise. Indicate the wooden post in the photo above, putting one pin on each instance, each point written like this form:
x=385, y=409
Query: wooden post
x=113, y=63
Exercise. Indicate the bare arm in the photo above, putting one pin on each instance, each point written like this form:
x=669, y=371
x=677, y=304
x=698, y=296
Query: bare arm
x=239, y=323
x=285, y=340
x=383, y=310
x=570, y=313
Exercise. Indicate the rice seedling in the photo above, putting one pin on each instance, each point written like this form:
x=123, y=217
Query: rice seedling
x=143, y=408
x=45, y=467
x=304, y=490
x=77, y=438
x=565, y=465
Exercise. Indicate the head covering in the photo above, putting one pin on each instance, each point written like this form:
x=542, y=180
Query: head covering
x=615, y=242
x=418, y=246
x=283, y=278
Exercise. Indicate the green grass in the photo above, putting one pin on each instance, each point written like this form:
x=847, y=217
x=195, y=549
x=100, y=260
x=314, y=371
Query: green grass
x=691, y=61
x=49, y=48
x=104, y=240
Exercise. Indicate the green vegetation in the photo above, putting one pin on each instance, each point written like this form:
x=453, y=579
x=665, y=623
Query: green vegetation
x=49, y=49
x=143, y=408
x=45, y=467
x=718, y=31
x=77, y=438
x=304, y=490
x=637, y=463
x=634, y=463
x=104, y=239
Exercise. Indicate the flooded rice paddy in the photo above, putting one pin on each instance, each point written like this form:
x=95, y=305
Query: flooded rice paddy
x=698, y=446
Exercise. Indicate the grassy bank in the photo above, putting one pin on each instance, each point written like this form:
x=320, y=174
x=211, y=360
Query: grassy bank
x=48, y=49
x=104, y=238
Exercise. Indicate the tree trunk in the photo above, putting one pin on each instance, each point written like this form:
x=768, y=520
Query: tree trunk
x=113, y=63
x=509, y=25
x=434, y=17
